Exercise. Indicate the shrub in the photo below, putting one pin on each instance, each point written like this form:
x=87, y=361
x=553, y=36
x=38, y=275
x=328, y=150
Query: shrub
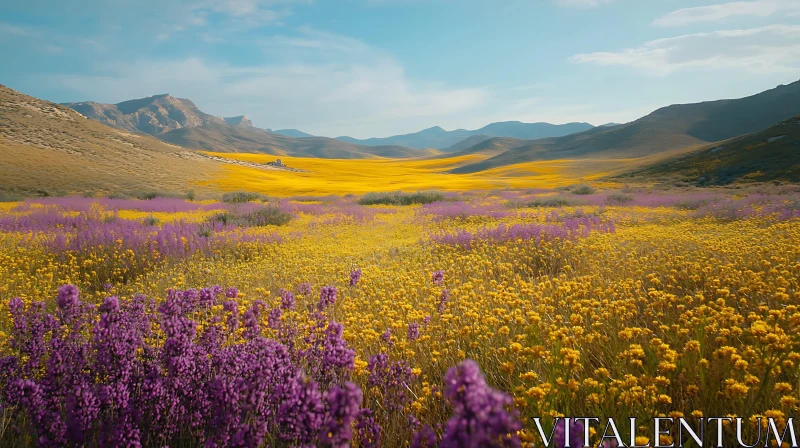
x=190, y=195
x=239, y=197
x=618, y=199
x=400, y=198
x=6, y=197
x=583, y=190
x=690, y=204
x=149, y=195
x=556, y=201
x=263, y=216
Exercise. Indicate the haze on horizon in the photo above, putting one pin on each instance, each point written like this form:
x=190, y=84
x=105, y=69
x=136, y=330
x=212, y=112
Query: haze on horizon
x=373, y=68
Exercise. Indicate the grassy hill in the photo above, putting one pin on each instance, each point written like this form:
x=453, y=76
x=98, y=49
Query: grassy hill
x=47, y=148
x=666, y=129
x=768, y=155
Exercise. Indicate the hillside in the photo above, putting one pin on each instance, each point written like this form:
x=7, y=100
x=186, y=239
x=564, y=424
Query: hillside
x=438, y=138
x=768, y=155
x=225, y=138
x=47, y=148
x=294, y=133
x=467, y=143
x=668, y=128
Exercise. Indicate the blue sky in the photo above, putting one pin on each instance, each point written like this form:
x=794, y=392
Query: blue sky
x=380, y=67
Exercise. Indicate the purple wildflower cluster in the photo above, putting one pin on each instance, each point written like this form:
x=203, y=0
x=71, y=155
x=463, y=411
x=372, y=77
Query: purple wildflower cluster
x=87, y=231
x=133, y=373
x=480, y=417
x=438, y=278
x=391, y=381
x=569, y=228
x=355, y=276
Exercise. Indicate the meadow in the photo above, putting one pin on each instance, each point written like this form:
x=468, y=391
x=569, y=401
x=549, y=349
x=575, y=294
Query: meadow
x=319, y=321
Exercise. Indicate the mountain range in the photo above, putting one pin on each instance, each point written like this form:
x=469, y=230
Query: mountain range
x=668, y=128
x=438, y=138
x=767, y=155
x=180, y=122
x=150, y=143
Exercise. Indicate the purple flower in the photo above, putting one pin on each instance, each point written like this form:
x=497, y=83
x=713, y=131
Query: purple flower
x=391, y=380
x=327, y=297
x=232, y=292
x=304, y=289
x=576, y=431
x=413, y=331
x=368, y=431
x=67, y=297
x=344, y=404
x=274, y=319
x=438, y=278
x=444, y=299
x=479, y=414
x=287, y=300
x=387, y=335
x=424, y=438
x=355, y=276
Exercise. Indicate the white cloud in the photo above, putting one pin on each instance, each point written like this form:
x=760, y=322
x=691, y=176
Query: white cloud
x=363, y=92
x=715, y=13
x=769, y=49
x=582, y=3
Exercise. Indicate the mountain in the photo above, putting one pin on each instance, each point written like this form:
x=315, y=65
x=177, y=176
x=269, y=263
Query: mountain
x=438, y=138
x=294, y=133
x=666, y=129
x=152, y=115
x=241, y=120
x=52, y=149
x=180, y=122
x=467, y=143
x=768, y=155
x=225, y=138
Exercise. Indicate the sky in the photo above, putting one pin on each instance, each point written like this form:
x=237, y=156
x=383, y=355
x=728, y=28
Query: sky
x=374, y=68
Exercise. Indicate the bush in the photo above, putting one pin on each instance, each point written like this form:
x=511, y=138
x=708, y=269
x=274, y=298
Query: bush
x=618, y=199
x=690, y=204
x=149, y=195
x=556, y=201
x=263, y=216
x=583, y=190
x=399, y=198
x=190, y=195
x=240, y=197
x=6, y=197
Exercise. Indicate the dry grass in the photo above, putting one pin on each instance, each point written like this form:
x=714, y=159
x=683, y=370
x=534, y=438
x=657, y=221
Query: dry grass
x=46, y=148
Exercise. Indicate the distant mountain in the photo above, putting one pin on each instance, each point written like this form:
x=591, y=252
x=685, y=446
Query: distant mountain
x=609, y=125
x=180, y=122
x=768, y=155
x=438, y=138
x=51, y=149
x=226, y=138
x=292, y=133
x=241, y=120
x=467, y=143
x=152, y=115
x=668, y=128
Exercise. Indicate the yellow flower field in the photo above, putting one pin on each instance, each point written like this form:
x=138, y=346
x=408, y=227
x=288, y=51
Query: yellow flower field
x=655, y=310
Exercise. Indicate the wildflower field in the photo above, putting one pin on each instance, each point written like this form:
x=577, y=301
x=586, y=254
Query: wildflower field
x=319, y=321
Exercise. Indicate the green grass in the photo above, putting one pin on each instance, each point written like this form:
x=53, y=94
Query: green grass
x=399, y=198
